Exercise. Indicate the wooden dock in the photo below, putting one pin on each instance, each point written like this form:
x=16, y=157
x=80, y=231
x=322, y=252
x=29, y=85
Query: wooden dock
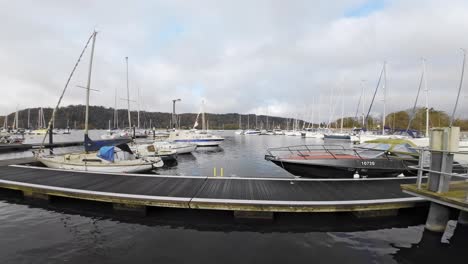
x=214, y=193
x=455, y=197
x=4, y=148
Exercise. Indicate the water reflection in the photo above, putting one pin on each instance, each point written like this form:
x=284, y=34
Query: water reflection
x=432, y=249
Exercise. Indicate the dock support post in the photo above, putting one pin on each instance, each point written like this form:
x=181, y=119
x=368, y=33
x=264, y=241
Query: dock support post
x=463, y=218
x=130, y=209
x=242, y=216
x=34, y=197
x=437, y=218
x=375, y=213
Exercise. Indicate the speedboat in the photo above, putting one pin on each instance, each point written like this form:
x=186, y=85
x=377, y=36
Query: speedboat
x=388, y=158
x=119, y=159
x=201, y=139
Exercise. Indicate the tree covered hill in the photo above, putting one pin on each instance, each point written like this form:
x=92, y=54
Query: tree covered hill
x=99, y=117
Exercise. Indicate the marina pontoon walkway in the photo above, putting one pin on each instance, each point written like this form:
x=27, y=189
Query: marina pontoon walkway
x=223, y=193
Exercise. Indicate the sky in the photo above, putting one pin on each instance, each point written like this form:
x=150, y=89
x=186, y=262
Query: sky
x=302, y=59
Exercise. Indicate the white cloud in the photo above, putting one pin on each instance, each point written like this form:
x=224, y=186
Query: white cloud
x=242, y=56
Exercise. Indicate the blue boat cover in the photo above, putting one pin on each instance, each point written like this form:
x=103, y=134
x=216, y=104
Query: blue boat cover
x=106, y=153
x=91, y=145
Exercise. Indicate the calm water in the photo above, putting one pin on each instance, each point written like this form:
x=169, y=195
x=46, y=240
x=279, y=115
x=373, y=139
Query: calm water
x=78, y=232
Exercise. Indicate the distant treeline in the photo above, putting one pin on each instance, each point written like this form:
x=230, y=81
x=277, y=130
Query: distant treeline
x=99, y=117
x=400, y=120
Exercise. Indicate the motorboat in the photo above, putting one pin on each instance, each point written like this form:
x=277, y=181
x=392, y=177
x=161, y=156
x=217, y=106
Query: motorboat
x=387, y=158
x=40, y=131
x=6, y=138
x=201, y=139
x=252, y=132
x=239, y=132
x=341, y=136
x=119, y=159
x=278, y=132
x=179, y=147
x=292, y=133
x=150, y=151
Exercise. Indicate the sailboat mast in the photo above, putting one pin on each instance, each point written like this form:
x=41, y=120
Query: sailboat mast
x=319, y=106
x=203, y=116
x=138, y=105
x=88, y=85
x=342, y=109
x=363, y=104
x=29, y=112
x=128, y=97
x=384, y=97
x=115, y=108
x=427, y=96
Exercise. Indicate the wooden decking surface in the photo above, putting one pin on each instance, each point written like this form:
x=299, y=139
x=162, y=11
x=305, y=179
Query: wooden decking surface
x=455, y=197
x=222, y=193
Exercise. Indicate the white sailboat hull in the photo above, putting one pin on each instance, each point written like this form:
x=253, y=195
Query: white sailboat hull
x=126, y=166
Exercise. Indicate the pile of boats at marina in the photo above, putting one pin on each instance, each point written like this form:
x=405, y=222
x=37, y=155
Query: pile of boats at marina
x=118, y=152
x=124, y=155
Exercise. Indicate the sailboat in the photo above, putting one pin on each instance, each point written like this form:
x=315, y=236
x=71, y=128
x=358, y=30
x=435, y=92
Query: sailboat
x=200, y=138
x=113, y=156
x=239, y=131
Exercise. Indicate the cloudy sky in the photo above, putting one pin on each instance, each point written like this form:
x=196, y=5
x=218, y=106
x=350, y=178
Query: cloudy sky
x=288, y=58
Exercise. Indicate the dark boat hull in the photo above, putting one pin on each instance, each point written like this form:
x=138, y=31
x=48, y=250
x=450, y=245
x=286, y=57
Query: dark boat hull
x=344, y=137
x=347, y=168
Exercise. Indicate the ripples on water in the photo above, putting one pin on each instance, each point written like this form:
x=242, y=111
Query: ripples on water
x=70, y=234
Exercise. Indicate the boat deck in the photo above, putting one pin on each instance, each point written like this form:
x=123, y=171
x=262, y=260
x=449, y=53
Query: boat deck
x=221, y=193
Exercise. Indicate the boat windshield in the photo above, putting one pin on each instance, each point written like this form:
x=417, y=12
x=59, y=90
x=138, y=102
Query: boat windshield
x=372, y=150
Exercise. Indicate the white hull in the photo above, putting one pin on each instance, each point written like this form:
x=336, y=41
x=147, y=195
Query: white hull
x=200, y=139
x=180, y=148
x=293, y=133
x=313, y=135
x=127, y=166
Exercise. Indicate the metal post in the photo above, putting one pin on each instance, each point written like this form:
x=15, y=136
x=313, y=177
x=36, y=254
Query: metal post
x=420, y=168
x=51, y=138
x=174, y=118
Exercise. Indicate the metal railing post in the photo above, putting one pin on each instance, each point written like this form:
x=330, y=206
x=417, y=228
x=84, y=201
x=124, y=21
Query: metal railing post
x=420, y=168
